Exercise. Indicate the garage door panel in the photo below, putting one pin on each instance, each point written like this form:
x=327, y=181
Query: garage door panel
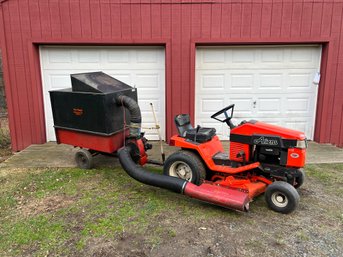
x=148, y=81
x=271, y=81
x=214, y=56
x=302, y=55
x=242, y=81
x=212, y=81
x=300, y=80
x=58, y=57
x=297, y=125
x=142, y=67
x=243, y=105
x=272, y=55
x=126, y=78
x=268, y=106
x=88, y=56
x=58, y=81
x=117, y=57
x=246, y=56
x=147, y=56
x=268, y=83
x=209, y=106
x=298, y=105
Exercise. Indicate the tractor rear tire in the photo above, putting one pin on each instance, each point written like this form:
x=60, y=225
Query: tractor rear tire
x=301, y=179
x=185, y=165
x=84, y=159
x=282, y=197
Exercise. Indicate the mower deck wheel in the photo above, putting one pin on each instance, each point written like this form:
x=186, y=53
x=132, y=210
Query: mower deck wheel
x=84, y=159
x=185, y=165
x=282, y=197
x=301, y=179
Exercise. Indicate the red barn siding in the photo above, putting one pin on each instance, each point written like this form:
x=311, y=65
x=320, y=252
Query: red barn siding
x=180, y=26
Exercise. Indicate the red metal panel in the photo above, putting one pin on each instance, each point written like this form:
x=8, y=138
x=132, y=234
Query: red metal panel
x=226, y=20
x=236, y=20
x=206, y=20
x=86, y=26
x=166, y=19
x=156, y=26
x=116, y=21
x=44, y=12
x=25, y=35
x=256, y=20
x=306, y=19
x=125, y=21
x=55, y=18
x=95, y=18
x=286, y=19
x=105, y=15
x=215, y=20
x=14, y=130
x=75, y=19
x=326, y=20
x=320, y=102
x=178, y=24
x=246, y=22
x=316, y=19
x=65, y=18
x=266, y=19
x=105, y=144
x=136, y=20
x=185, y=54
x=276, y=20
x=35, y=18
x=146, y=21
x=337, y=100
x=176, y=96
x=296, y=19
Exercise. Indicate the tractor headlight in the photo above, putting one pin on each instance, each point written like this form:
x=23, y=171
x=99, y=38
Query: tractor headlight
x=302, y=144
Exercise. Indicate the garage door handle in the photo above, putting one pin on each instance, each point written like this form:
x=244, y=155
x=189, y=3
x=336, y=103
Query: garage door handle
x=254, y=104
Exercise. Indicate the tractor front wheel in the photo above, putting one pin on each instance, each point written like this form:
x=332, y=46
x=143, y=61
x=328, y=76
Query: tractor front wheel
x=185, y=165
x=282, y=197
x=300, y=179
x=84, y=159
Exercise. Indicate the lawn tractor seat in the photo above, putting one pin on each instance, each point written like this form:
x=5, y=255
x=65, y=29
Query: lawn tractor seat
x=186, y=130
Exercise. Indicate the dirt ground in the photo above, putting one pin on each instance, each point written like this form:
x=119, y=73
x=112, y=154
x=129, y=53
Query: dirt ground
x=315, y=229
x=103, y=212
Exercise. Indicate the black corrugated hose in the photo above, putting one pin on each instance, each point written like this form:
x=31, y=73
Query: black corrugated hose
x=146, y=177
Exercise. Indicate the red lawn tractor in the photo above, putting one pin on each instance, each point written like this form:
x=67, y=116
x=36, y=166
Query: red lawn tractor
x=100, y=115
x=262, y=158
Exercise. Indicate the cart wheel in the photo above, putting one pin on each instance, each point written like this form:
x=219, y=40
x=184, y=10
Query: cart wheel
x=185, y=165
x=84, y=159
x=282, y=197
x=300, y=180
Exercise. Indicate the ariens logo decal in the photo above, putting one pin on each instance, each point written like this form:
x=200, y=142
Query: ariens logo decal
x=294, y=155
x=78, y=111
x=265, y=141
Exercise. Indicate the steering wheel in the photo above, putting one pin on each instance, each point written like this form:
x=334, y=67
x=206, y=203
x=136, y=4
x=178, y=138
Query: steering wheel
x=228, y=116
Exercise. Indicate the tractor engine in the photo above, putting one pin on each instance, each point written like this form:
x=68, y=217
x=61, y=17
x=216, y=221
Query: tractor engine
x=253, y=141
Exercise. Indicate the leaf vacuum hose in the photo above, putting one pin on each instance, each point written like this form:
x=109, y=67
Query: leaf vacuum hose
x=146, y=177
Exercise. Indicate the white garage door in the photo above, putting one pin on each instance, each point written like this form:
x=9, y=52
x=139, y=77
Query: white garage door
x=267, y=83
x=142, y=67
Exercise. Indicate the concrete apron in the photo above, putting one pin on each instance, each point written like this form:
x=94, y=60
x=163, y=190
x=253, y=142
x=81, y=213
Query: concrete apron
x=53, y=155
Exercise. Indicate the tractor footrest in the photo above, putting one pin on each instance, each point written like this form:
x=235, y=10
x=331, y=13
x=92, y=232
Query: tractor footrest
x=221, y=159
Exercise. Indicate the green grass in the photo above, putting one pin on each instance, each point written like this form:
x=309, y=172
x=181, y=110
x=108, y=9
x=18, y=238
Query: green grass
x=106, y=203
x=326, y=173
x=102, y=203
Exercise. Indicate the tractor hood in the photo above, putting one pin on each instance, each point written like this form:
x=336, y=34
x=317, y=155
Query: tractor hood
x=259, y=129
